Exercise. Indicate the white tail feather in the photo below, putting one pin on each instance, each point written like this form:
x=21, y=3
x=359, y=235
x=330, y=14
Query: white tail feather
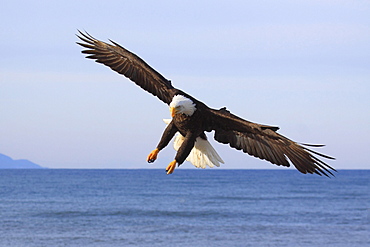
x=202, y=154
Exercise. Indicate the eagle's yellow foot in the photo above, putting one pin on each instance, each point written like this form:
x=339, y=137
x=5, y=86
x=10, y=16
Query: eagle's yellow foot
x=171, y=167
x=152, y=156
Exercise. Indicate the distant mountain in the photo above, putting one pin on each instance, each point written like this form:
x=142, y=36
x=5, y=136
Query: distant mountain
x=8, y=163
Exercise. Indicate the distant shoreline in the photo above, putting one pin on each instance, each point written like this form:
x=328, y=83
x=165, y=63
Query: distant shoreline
x=7, y=162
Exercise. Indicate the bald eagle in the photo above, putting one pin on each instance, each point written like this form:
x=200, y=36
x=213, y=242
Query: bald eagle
x=191, y=118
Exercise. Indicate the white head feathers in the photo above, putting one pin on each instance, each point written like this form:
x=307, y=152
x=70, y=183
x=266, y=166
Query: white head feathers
x=183, y=105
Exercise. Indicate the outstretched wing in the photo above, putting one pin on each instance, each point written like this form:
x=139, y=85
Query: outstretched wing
x=264, y=142
x=128, y=64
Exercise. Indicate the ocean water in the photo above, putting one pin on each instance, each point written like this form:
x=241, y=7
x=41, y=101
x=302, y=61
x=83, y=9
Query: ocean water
x=188, y=208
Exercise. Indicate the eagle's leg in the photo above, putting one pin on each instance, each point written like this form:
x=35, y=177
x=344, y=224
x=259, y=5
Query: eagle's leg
x=152, y=156
x=171, y=167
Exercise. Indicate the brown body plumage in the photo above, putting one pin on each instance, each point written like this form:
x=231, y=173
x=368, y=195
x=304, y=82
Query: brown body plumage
x=258, y=140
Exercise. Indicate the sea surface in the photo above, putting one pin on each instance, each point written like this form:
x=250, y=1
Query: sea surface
x=212, y=207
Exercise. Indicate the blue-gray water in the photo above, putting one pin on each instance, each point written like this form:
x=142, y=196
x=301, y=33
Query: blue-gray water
x=188, y=208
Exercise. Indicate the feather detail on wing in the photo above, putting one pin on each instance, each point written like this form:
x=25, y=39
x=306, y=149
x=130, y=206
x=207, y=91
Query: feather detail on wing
x=262, y=141
x=128, y=64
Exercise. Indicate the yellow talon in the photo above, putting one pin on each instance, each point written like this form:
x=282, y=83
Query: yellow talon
x=152, y=156
x=171, y=167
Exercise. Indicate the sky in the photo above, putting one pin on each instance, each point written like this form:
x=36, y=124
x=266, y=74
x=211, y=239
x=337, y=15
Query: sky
x=301, y=65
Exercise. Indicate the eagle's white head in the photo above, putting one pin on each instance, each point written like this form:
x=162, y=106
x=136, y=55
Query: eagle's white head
x=181, y=104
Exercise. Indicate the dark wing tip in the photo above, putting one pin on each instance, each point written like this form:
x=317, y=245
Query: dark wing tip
x=262, y=141
x=126, y=63
x=317, y=153
x=321, y=168
x=313, y=145
x=84, y=34
x=116, y=44
x=273, y=128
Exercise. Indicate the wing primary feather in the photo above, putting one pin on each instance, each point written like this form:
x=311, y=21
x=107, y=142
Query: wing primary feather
x=313, y=145
x=92, y=57
x=324, y=166
x=116, y=44
x=300, y=160
x=306, y=158
x=314, y=162
x=86, y=46
x=320, y=154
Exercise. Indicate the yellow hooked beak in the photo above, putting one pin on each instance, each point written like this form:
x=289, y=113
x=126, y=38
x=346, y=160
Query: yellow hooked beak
x=173, y=111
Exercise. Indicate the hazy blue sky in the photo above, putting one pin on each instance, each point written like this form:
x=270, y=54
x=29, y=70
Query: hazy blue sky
x=301, y=65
